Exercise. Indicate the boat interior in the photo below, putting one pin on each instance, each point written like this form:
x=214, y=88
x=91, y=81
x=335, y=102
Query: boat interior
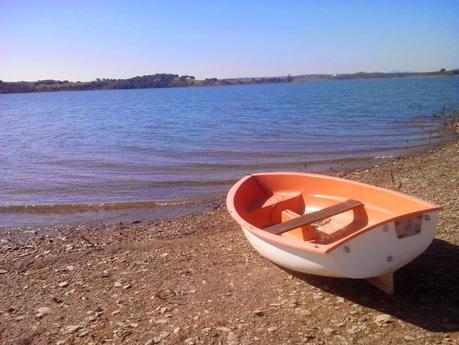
x=319, y=209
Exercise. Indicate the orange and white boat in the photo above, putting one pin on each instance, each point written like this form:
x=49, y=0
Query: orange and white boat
x=330, y=226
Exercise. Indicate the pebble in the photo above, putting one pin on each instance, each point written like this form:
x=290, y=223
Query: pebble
x=328, y=331
x=72, y=328
x=42, y=312
x=272, y=329
x=409, y=338
x=383, y=319
x=305, y=312
x=353, y=330
x=2, y=271
x=232, y=337
x=116, y=312
x=63, y=284
x=164, y=334
x=83, y=334
x=117, y=284
x=258, y=312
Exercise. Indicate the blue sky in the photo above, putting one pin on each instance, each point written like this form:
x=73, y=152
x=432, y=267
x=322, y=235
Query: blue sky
x=84, y=40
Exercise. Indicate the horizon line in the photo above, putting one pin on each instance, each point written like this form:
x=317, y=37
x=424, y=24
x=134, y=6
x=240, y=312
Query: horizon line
x=229, y=78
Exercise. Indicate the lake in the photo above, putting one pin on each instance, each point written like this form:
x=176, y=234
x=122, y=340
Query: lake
x=83, y=152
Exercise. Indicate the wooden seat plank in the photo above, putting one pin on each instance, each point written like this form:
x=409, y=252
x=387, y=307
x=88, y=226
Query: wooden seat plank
x=313, y=217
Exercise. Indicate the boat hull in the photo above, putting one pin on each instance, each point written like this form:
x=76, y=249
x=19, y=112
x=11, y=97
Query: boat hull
x=373, y=253
x=332, y=227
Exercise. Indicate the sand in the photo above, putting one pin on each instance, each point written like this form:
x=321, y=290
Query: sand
x=195, y=280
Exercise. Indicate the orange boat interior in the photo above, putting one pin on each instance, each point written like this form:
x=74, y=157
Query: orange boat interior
x=319, y=209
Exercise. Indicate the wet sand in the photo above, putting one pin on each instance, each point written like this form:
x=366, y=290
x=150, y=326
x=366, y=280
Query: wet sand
x=195, y=280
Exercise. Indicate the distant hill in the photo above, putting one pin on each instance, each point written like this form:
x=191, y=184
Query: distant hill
x=373, y=75
x=144, y=82
x=164, y=80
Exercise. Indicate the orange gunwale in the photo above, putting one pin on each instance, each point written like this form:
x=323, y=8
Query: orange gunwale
x=316, y=247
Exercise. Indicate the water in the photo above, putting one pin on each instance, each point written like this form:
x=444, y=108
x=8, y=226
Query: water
x=93, y=151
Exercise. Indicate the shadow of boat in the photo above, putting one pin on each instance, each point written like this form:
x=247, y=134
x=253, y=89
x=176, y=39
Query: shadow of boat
x=426, y=290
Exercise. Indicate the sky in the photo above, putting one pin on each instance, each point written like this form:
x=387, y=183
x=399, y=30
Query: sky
x=83, y=40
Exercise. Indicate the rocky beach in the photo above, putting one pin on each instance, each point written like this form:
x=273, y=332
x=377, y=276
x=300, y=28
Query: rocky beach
x=195, y=280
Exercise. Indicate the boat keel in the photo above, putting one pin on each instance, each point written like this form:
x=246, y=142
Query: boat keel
x=384, y=282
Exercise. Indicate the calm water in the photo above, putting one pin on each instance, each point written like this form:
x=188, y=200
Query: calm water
x=77, y=150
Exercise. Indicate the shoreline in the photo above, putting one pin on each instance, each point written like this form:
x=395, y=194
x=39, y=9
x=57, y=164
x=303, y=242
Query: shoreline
x=246, y=81
x=195, y=280
x=48, y=215
x=108, y=214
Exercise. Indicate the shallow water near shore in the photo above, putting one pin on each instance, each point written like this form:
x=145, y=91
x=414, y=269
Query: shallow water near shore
x=99, y=154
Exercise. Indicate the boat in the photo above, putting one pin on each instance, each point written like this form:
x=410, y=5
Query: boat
x=330, y=226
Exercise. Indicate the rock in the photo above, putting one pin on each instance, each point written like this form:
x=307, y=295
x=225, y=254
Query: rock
x=223, y=329
x=161, y=321
x=42, y=312
x=56, y=299
x=83, y=334
x=353, y=330
x=21, y=317
x=164, y=334
x=2, y=271
x=363, y=319
x=127, y=286
x=117, y=284
x=63, y=284
x=328, y=331
x=232, y=337
x=383, y=319
x=133, y=325
x=409, y=338
x=72, y=328
x=305, y=312
x=272, y=329
x=206, y=330
x=69, y=268
x=258, y=312
x=92, y=318
x=157, y=339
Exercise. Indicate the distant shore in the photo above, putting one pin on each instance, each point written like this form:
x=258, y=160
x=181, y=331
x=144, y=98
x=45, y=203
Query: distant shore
x=165, y=80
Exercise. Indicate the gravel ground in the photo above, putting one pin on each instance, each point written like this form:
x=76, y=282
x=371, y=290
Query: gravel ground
x=195, y=280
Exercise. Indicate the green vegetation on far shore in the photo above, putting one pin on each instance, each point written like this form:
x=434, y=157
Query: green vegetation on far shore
x=164, y=80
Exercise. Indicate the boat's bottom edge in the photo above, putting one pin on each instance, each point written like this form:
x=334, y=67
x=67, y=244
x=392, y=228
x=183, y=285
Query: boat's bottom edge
x=375, y=255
